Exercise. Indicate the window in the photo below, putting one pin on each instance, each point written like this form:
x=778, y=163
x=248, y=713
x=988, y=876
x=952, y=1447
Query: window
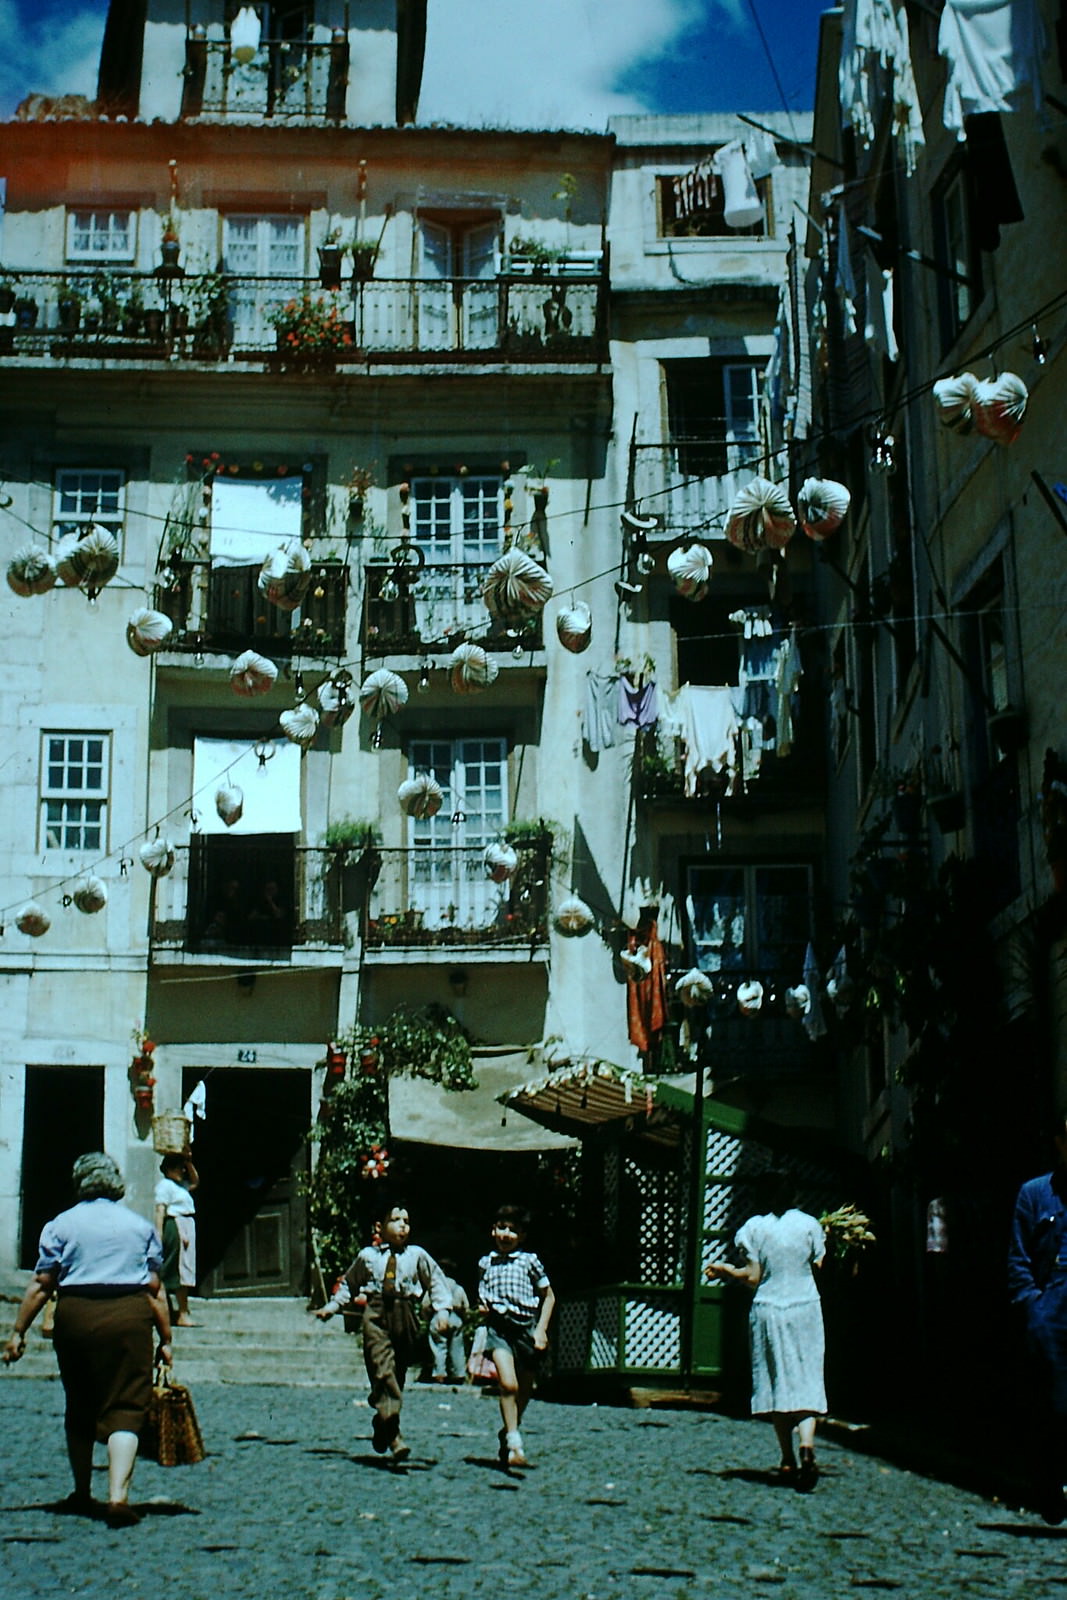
x=74, y=791
x=960, y=282
x=694, y=211
x=712, y=414
x=250, y=517
x=267, y=247
x=100, y=236
x=457, y=523
x=992, y=766
x=85, y=496
x=458, y=263
x=448, y=883
x=749, y=918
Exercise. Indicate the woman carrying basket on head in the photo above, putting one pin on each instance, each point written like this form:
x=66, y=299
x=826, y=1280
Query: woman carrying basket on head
x=176, y=1226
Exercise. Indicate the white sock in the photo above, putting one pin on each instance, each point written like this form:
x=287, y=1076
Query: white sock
x=514, y=1440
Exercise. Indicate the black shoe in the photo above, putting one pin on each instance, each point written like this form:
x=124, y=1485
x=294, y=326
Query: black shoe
x=379, y=1435
x=120, y=1514
x=1052, y=1507
x=502, y=1447
x=808, y=1476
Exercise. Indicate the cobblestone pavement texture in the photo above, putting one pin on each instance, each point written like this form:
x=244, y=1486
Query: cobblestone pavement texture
x=292, y=1502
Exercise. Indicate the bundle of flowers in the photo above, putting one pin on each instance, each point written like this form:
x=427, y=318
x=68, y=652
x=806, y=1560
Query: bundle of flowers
x=311, y=325
x=847, y=1230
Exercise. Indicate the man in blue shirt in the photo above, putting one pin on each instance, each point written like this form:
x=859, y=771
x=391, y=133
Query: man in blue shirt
x=1037, y=1281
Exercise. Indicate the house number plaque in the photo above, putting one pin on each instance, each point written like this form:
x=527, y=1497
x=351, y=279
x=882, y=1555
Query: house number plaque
x=247, y=1056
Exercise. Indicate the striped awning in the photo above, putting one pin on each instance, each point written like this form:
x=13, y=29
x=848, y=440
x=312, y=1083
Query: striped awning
x=579, y=1096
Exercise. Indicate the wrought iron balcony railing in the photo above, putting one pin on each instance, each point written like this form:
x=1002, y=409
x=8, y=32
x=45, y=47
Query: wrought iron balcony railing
x=693, y=482
x=169, y=314
x=441, y=896
x=748, y=1039
x=221, y=608
x=443, y=606
x=218, y=898
x=286, y=78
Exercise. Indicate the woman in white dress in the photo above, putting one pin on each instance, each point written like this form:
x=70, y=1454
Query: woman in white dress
x=783, y=1246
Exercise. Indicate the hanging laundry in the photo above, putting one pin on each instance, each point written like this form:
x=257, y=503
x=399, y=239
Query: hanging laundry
x=741, y=205
x=601, y=710
x=876, y=56
x=638, y=703
x=814, y=1022
x=994, y=197
x=878, y=330
x=788, y=672
x=846, y=281
x=646, y=998
x=707, y=723
x=992, y=48
x=761, y=153
x=196, y=1105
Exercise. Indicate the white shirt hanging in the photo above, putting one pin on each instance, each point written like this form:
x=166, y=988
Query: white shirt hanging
x=993, y=47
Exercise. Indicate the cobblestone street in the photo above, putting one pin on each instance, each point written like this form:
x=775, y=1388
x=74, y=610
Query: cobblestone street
x=667, y=1504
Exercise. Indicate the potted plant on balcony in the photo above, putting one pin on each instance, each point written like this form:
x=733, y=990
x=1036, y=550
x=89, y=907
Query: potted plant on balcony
x=170, y=243
x=331, y=252
x=133, y=313
x=364, y=259
x=26, y=311
x=69, y=306
x=532, y=257
x=360, y=479
x=310, y=331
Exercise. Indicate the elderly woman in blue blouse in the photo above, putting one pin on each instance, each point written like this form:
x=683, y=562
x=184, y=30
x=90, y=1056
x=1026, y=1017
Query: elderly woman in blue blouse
x=102, y=1260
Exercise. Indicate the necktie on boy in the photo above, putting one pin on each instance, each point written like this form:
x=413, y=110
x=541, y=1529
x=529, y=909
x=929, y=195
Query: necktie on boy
x=389, y=1278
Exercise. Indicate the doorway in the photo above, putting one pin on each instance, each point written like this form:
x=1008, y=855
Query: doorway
x=63, y=1118
x=251, y=1155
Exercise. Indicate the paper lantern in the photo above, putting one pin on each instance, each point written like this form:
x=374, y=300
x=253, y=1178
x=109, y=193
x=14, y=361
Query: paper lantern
x=955, y=399
x=573, y=915
x=245, y=34
x=285, y=576
x=637, y=964
x=516, y=586
x=798, y=1001
x=470, y=669
x=839, y=991
x=999, y=408
x=741, y=205
x=32, y=920
x=501, y=862
x=574, y=627
x=761, y=517
x=420, y=796
x=383, y=692
x=821, y=506
x=335, y=703
x=91, y=561
x=229, y=803
x=157, y=856
x=252, y=674
x=148, y=631
x=750, y=997
x=695, y=988
x=300, y=724
x=690, y=569
x=31, y=570
x=89, y=894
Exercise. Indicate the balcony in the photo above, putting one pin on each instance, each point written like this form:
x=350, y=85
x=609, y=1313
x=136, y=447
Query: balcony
x=693, y=482
x=444, y=607
x=767, y=1042
x=432, y=897
x=217, y=899
x=221, y=608
x=169, y=315
x=287, y=79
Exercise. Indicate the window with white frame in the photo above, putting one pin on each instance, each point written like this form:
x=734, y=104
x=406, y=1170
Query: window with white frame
x=101, y=235
x=447, y=880
x=749, y=917
x=75, y=777
x=84, y=497
x=713, y=414
x=262, y=247
x=456, y=522
x=451, y=249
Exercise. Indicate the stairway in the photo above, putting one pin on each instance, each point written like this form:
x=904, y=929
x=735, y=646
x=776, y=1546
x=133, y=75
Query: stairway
x=237, y=1341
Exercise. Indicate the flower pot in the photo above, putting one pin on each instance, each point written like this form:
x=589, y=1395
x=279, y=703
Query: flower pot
x=143, y=1099
x=153, y=323
x=25, y=313
x=169, y=251
x=330, y=266
x=363, y=264
x=70, y=312
x=540, y=498
x=949, y=810
x=133, y=321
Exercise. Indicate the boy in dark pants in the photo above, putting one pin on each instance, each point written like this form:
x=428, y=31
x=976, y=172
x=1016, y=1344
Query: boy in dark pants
x=389, y=1281
x=516, y=1300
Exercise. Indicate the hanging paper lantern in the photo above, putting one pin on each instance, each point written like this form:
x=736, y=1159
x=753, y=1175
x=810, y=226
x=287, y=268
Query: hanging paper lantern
x=148, y=631
x=229, y=803
x=516, y=586
x=252, y=674
x=335, y=703
x=382, y=693
x=798, y=1001
x=999, y=408
x=31, y=570
x=750, y=997
x=157, y=856
x=245, y=34
x=761, y=517
x=573, y=915
x=840, y=990
x=285, y=576
x=421, y=796
x=32, y=920
x=574, y=627
x=637, y=964
x=501, y=862
x=690, y=569
x=470, y=669
x=89, y=562
x=300, y=724
x=695, y=988
x=89, y=894
x=821, y=506
x=955, y=399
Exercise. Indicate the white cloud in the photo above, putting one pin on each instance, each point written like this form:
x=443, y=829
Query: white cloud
x=48, y=54
x=546, y=63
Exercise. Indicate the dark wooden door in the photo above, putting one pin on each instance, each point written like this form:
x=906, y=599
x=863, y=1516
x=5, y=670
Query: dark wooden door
x=251, y=1154
x=62, y=1120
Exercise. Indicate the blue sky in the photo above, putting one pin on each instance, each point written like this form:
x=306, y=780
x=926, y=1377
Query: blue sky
x=524, y=63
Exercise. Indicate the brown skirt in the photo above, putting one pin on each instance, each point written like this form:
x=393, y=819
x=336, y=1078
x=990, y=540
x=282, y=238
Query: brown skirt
x=104, y=1350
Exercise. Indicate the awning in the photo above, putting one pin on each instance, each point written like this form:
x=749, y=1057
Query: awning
x=271, y=787
x=470, y=1119
x=579, y=1096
